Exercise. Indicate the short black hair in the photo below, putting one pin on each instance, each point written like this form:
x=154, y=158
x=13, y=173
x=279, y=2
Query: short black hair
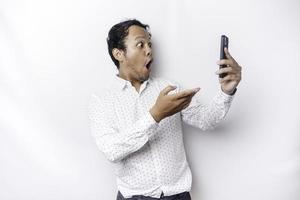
x=118, y=33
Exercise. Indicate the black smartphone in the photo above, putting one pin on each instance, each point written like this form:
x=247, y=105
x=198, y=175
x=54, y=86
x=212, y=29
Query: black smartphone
x=224, y=43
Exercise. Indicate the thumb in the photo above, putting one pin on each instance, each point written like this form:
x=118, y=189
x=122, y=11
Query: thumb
x=167, y=89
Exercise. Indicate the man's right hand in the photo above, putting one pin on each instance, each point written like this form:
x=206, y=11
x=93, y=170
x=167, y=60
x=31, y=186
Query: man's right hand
x=167, y=105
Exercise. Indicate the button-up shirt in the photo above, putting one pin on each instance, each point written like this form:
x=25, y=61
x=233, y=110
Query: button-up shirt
x=149, y=157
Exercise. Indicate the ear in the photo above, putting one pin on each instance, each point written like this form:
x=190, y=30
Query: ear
x=118, y=54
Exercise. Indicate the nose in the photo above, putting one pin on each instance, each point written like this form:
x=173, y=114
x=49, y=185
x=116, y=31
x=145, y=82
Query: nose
x=148, y=50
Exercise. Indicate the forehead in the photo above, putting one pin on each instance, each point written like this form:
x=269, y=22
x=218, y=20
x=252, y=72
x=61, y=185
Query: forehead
x=135, y=32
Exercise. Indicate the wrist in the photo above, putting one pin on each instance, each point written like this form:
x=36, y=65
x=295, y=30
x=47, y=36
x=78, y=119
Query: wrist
x=232, y=92
x=155, y=115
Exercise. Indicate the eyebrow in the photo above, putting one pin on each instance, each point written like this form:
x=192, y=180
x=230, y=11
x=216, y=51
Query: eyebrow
x=138, y=37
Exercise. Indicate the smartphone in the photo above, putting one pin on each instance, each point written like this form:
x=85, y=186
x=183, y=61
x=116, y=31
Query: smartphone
x=224, y=43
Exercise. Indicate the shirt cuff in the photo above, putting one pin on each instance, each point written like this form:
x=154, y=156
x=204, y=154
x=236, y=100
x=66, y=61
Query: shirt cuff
x=223, y=97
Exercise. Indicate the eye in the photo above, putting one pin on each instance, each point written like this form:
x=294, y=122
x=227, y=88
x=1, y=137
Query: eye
x=140, y=45
x=150, y=44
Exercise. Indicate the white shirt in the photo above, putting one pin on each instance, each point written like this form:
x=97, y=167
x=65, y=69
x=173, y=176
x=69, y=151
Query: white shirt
x=149, y=157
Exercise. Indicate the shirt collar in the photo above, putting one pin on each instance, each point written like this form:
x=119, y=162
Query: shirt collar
x=121, y=83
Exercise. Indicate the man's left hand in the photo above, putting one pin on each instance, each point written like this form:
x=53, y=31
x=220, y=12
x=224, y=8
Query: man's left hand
x=233, y=71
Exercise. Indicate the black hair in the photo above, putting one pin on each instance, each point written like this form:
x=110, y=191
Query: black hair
x=117, y=35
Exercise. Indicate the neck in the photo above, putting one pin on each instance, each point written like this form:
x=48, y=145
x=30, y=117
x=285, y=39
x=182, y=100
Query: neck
x=135, y=83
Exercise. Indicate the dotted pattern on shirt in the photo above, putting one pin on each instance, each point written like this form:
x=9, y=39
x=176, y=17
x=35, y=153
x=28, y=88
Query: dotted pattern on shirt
x=120, y=123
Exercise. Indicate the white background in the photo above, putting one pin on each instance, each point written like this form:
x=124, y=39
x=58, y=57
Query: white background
x=53, y=54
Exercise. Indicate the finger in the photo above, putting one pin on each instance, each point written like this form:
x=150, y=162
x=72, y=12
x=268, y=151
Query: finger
x=224, y=62
x=225, y=70
x=226, y=78
x=227, y=53
x=184, y=107
x=232, y=78
x=230, y=63
x=167, y=89
x=185, y=99
x=186, y=93
x=185, y=104
x=239, y=68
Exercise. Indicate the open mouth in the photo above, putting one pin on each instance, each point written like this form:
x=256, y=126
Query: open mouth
x=148, y=64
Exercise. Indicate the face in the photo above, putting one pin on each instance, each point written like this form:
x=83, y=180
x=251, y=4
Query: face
x=136, y=60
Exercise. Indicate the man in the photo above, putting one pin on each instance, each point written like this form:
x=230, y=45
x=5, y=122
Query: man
x=137, y=121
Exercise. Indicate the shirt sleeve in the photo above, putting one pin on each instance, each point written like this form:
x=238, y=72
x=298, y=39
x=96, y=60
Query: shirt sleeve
x=117, y=144
x=207, y=116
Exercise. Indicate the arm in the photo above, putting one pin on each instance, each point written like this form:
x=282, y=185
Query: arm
x=117, y=144
x=207, y=116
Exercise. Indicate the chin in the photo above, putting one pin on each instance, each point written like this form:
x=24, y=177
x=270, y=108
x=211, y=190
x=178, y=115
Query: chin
x=144, y=78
